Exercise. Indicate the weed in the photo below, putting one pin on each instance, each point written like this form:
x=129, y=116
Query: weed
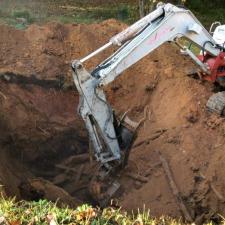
x=23, y=16
x=87, y=11
x=41, y=212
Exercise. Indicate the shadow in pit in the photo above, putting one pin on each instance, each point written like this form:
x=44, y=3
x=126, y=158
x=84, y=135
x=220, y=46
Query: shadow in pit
x=60, y=167
x=24, y=81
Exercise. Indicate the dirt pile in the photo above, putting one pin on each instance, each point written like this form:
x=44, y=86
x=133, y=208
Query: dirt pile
x=46, y=51
x=178, y=127
x=41, y=132
x=39, y=124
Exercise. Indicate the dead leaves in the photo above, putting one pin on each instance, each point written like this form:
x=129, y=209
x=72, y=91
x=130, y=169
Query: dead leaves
x=51, y=219
x=85, y=213
x=2, y=220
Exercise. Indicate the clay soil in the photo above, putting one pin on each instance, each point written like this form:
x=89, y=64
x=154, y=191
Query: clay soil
x=41, y=132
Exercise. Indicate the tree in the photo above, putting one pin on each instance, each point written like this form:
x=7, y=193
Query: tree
x=150, y=5
x=142, y=8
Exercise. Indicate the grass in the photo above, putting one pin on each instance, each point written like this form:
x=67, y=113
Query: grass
x=44, y=212
x=13, y=12
x=210, y=15
x=77, y=11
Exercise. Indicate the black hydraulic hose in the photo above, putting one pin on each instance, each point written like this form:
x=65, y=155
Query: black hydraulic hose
x=94, y=73
x=203, y=47
x=223, y=47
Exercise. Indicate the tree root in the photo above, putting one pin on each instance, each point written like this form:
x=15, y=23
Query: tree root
x=174, y=189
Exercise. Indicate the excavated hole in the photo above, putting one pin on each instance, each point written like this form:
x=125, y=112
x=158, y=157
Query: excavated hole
x=48, y=164
x=50, y=156
x=40, y=127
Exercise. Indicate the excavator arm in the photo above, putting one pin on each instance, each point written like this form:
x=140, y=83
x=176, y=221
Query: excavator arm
x=171, y=25
x=112, y=138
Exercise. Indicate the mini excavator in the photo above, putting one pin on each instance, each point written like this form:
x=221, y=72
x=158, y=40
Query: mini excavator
x=111, y=137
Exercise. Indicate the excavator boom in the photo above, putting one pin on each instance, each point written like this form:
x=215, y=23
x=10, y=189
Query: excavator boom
x=112, y=138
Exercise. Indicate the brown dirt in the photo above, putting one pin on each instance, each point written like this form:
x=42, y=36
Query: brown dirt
x=38, y=121
x=41, y=131
x=191, y=140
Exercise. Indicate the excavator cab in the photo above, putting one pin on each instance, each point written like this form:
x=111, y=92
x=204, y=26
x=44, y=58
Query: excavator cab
x=218, y=32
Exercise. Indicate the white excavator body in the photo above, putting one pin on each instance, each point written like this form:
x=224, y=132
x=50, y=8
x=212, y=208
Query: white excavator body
x=112, y=138
x=217, y=30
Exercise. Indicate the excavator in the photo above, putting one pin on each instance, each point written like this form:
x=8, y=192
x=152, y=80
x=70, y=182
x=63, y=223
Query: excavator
x=111, y=137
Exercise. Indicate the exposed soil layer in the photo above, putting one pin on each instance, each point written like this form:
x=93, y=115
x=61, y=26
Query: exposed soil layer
x=41, y=132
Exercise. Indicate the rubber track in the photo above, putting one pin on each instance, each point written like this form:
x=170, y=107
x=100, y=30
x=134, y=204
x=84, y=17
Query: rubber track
x=216, y=103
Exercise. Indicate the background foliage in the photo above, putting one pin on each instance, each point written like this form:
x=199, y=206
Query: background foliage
x=21, y=13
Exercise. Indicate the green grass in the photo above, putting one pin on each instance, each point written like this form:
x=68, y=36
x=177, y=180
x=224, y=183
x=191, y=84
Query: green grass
x=210, y=15
x=64, y=12
x=44, y=213
x=76, y=11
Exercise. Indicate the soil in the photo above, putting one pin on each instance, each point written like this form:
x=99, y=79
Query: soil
x=42, y=136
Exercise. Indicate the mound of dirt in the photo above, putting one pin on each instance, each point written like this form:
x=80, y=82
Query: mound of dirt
x=46, y=51
x=38, y=122
x=42, y=136
x=178, y=127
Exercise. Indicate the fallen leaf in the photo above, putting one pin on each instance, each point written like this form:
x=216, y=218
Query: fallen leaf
x=51, y=219
x=17, y=222
x=2, y=219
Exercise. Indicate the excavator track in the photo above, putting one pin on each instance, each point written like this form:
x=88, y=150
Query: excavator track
x=216, y=103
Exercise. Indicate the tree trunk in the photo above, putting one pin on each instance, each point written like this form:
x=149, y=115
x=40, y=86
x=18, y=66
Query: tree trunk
x=142, y=8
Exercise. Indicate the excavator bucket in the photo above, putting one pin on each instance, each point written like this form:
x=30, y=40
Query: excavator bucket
x=104, y=188
x=127, y=132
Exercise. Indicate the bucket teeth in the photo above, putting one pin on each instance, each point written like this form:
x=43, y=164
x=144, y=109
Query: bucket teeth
x=134, y=125
x=103, y=191
x=110, y=193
